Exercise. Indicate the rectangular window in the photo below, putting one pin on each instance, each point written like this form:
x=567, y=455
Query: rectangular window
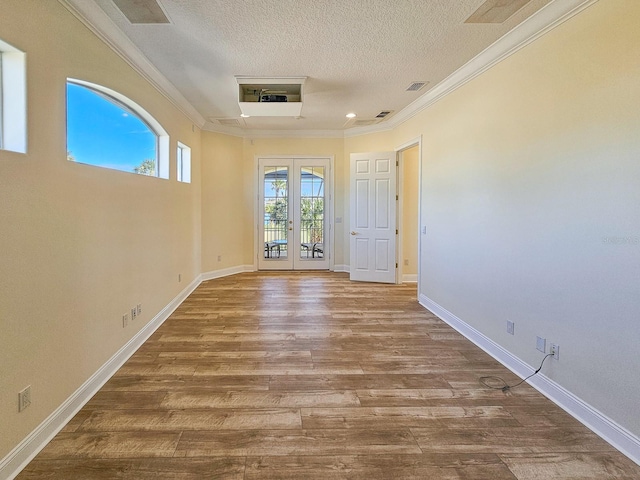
x=184, y=163
x=13, y=99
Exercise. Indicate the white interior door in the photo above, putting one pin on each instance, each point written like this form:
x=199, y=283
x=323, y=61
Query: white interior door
x=372, y=246
x=294, y=218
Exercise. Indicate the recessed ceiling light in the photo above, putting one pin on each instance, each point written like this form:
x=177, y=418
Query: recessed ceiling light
x=351, y=115
x=244, y=115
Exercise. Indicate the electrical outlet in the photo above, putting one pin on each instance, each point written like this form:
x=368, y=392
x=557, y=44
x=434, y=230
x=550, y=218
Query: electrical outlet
x=24, y=398
x=406, y=262
x=219, y=258
x=510, y=327
x=139, y=309
x=555, y=351
x=125, y=320
x=134, y=313
x=541, y=344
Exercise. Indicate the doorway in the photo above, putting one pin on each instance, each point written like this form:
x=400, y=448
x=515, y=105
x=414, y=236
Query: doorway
x=408, y=213
x=294, y=213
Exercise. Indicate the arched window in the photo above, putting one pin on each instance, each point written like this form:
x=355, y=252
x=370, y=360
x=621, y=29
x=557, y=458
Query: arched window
x=106, y=129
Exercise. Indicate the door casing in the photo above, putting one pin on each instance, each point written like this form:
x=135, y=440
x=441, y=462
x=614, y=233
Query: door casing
x=329, y=249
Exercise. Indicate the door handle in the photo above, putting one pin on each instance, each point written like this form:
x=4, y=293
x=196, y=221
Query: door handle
x=354, y=233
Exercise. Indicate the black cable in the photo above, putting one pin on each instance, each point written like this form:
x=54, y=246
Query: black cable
x=506, y=387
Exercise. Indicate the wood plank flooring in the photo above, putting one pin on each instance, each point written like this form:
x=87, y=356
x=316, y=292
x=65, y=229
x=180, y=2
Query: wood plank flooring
x=309, y=376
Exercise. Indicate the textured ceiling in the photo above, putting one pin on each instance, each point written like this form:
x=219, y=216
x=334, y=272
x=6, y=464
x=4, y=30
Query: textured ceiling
x=359, y=55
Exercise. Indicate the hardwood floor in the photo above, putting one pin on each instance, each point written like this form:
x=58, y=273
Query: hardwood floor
x=310, y=376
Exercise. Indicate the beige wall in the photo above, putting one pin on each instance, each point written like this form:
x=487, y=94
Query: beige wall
x=529, y=172
x=410, y=176
x=530, y=196
x=80, y=245
x=225, y=203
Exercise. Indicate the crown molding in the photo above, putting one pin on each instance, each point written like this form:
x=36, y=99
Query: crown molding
x=247, y=133
x=98, y=22
x=543, y=21
x=540, y=23
x=294, y=134
x=224, y=129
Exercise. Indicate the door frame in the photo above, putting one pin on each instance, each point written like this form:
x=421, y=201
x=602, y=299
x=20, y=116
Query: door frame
x=329, y=189
x=417, y=141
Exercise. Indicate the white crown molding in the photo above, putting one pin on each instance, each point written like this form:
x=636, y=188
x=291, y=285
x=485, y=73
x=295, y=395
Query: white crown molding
x=540, y=23
x=294, y=134
x=29, y=447
x=616, y=435
x=96, y=20
x=543, y=21
x=224, y=129
x=249, y=134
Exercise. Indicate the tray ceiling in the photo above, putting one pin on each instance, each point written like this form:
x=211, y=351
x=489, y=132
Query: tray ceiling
x=358, y=56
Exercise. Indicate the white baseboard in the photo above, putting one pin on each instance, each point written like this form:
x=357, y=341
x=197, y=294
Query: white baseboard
x=610, y=431
x=25, y=451
x=410, y=278
x=225, y=272
x=341, y=268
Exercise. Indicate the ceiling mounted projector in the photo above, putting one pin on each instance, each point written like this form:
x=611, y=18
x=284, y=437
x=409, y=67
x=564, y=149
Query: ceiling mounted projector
x=270, y=97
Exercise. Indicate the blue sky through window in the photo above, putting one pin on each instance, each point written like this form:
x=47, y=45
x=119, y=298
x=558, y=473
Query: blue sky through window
x=311, y=185
x=102, y=133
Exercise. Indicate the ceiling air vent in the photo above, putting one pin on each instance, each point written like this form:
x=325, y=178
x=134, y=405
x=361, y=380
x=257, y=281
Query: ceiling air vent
x=229, y=122
x=142, y=11
x=415, y=86
x=363, y=123
x=383, y=114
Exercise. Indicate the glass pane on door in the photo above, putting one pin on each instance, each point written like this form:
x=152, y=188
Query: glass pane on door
x=312, y=210
x=276, y=212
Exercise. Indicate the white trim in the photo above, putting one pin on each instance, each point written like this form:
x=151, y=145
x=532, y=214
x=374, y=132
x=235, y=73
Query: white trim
x=543, y=21
x=399, y=217
x=420, y=224
x=342, y=268
x=609, y=430
x=293, y=133
x=30, y=446
x=329, y=212
x=183, y=162
x=226, y=272
x=415, y=142
x=98, y=22
x=410, y=278
x=211, y=126
x=409, y=144
x=540, y=23
x=13, y=99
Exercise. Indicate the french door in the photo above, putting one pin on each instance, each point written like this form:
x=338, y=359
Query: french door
x=293, y=225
